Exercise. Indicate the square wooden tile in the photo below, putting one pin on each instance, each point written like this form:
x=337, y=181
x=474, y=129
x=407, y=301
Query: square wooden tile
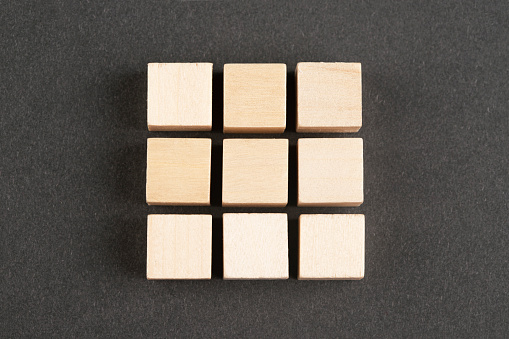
x=254, y=98
x=178, y=171
x=179, y=246
x=255, y=246
x=331, y=246
x=255, y=172
x=179, y=97
x=329, y=97
x=330, y=172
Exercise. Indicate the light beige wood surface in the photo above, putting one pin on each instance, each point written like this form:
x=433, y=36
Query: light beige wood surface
x=179, y=246
x=254, y=98
x=330, y=172
x=179, y=97
x=255, y=246
x=331, y=246
x=178, y=171
x=255, y=172
x=329, y=97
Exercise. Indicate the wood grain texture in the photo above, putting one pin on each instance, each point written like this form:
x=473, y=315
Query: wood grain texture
x=255, y=246
x=179, y=97
x=179, y=246
x=255, y=172
x=331, y=246
x=178, y=171
x=330, y=172
x=254, y=98
x=329, y=97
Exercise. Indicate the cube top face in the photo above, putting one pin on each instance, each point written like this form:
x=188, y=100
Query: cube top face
x=255, y=246
x=331, y=246
x=178, y=171
x=330, y=172
x=179, y=246
x=329, y=97
x=255, y=172
x=254, y=98
x=179, y=97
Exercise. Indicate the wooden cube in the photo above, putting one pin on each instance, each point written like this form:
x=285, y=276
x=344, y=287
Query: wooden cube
x=331, y=246
x=179, y=246
x=329, y=97
x=179, y=97
x=330, y=172
x=255, y=246
x=178, y=171
x=255, y=172
x=254, y=98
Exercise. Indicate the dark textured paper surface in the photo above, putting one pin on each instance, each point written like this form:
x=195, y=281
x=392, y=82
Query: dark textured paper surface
x=73, y=148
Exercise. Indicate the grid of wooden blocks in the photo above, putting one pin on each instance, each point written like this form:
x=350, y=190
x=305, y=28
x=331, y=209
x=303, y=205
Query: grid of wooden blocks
x=255, y=171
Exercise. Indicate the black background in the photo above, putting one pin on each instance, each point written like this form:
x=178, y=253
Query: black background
x=73, y=148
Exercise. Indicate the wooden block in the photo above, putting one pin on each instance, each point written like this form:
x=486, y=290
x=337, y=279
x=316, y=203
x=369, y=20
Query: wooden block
x=254, y=98
x=179, y=246
x=179, y=97
x=329, y=97
x=178, y=171
x=331, y=246
x=255, y=246
x=330, y=172
x=255, y=172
